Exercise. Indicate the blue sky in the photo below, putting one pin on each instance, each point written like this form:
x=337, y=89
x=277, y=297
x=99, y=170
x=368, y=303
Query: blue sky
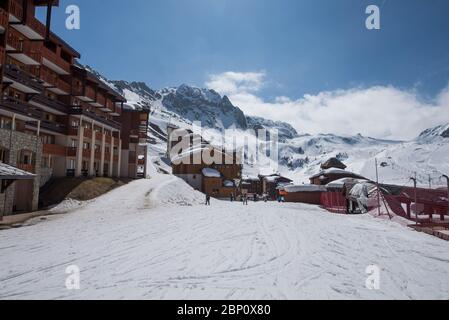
x=303, y=46
x=310, y=62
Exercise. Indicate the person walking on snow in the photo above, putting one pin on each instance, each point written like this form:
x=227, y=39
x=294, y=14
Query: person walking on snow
x=207, y=200
x=245, y=200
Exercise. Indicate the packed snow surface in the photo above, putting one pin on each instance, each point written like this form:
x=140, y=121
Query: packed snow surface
x=154, y=239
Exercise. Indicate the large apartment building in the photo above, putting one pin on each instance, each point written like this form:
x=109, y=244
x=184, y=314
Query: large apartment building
x=57, y=119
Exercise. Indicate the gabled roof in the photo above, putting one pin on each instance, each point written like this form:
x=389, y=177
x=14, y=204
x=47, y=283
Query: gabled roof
x=8, y=172
x=333, y=163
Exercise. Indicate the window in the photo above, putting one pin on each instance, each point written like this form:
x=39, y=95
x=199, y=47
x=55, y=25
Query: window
x=86, y=145
x=4, y=155
x=5, y=123
x=71, y=164
x=73, y=143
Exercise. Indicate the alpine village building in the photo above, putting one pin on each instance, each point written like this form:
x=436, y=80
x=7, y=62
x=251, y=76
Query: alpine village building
x=57, y=119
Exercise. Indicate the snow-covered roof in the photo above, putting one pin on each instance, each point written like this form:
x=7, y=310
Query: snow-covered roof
x=304, y=188
x=341, y=182
x=8, y=172
x=211, y=173
x=334, y=171
x=228, y=184
x=250, y=178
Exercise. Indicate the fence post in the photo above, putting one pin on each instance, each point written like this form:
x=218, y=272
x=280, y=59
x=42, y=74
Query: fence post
x=447, y=180
x=416, y=197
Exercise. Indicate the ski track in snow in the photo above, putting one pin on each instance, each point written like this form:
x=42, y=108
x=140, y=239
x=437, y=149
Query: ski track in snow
x=154, y=239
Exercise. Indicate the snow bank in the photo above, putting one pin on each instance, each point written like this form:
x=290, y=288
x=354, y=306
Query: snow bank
x=176, y=192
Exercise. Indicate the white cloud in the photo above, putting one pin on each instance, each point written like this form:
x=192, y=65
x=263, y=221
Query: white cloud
x=381, y=112
x=233, y=82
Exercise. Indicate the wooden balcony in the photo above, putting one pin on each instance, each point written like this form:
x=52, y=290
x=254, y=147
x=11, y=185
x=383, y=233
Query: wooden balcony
x=90, y=93
x=72, y=132
x=2, y=55
x=71, y=152
x=24, y=51
x=88, y=133
x=43, y=100
x=87, y=153
x=15, y=9
x=54, y=127
x=31, y=27
x=98, y=136
x=22, y=107
x=4, y=19
x=55, y=150
x=22, y=78
x=97, y=154
x=55, y=62
x=78, y=110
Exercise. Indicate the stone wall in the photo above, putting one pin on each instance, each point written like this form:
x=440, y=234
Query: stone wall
x=16, y=141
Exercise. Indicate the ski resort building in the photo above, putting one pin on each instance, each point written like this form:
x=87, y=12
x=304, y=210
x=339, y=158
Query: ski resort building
x=205, y=167
x=57, y=119
x=332, y=170
x=271, y=184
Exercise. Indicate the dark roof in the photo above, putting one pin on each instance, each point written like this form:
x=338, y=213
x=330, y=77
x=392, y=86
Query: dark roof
x=333, y=163
x=8, y=172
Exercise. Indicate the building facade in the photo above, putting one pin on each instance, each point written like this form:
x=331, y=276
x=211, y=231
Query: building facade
x=57, y=118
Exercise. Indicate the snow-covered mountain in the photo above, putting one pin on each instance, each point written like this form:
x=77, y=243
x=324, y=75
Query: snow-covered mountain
x=300, y=154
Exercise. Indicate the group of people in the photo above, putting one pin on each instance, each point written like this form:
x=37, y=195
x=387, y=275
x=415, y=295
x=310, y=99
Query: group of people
x=244, y=198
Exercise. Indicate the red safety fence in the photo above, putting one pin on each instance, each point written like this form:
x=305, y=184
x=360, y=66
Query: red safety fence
x=430, y=206
x=334, y=202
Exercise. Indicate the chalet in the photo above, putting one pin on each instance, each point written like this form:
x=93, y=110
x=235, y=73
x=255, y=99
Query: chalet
x=271, y=184
x=205, y=167
x=332, y=170
x=251, y=185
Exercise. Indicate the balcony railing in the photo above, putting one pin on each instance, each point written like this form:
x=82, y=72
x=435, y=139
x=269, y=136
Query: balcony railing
x=30, y=48
x=2, y=55
x=88, y=133
x=87, y=153
x=98, y=136
x=4, y=18
x=72, y=131
x=18, y=75
x=77, y=110
x=15, y=8
x=54, y=58
x=54, y=149
x=22, y=107
x=54, y=126
x=90, y=93
x=71, y=152
x=50, y=126
x=50, y=78
x=44, y=100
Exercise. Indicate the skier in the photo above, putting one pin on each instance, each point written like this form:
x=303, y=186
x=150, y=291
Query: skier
x=207, y=200
x=232, y=197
